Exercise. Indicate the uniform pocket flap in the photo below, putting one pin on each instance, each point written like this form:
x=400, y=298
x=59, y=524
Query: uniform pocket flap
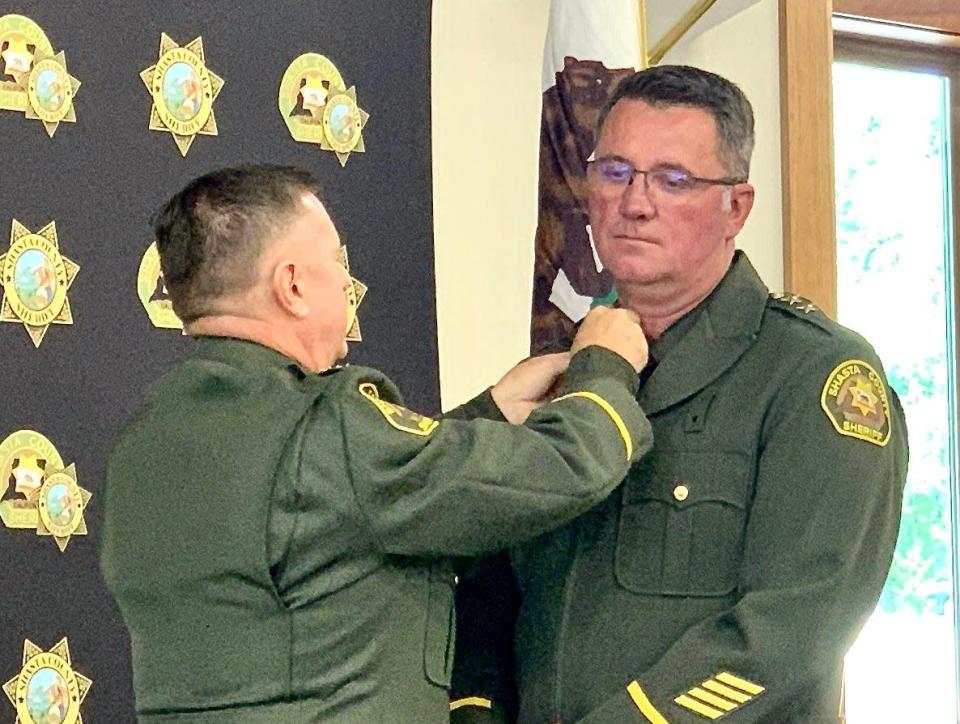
x=684, y=479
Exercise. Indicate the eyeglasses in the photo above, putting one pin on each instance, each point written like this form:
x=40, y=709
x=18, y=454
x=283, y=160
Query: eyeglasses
x=614, y=174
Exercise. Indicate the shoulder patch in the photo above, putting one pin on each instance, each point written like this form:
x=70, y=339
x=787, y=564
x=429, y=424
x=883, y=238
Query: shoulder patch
x=399, y=417
x=855, y=400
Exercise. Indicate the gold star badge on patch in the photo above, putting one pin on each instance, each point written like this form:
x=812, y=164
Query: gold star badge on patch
x=355, y=294
x=35, y=278
x=183, y=91
x=47, y=689
x=50, y=90
x=854, y=397
x=60, y=503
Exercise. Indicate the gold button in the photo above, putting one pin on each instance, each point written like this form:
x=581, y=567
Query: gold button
x=681, y=492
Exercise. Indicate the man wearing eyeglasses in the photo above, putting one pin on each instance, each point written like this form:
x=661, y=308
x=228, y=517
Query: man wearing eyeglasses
x=739, y=559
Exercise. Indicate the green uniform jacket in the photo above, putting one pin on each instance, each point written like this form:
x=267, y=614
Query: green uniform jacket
x=277, y=542
x=739, y=559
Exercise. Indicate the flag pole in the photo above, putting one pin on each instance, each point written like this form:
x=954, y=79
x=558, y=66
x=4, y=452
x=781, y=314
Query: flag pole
x=688, y=20
x=642, y=31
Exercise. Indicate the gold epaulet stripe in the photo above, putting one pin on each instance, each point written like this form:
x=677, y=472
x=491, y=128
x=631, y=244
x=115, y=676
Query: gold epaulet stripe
x=699, y=707
x=719, y=695
x=718, y=688
x=471, y=701
x=608, y=408
x=742, y=684
x=643, y=704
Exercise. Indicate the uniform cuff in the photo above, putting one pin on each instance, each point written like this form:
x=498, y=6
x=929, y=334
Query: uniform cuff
x=595, y=362
x=480, y=407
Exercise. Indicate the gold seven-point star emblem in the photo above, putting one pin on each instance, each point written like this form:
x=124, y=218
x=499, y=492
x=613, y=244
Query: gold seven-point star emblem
x=47, y=689
x=355, y=294
x=50, y=91
x=183, y=91
x=35, y=277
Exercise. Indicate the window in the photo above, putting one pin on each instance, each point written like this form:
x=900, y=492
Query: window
x=897, y=151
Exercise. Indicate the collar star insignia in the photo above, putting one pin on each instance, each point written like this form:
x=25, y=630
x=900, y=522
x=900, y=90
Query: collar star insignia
x=50, y=91
x=47, y=687
x=795, y=300
x=355, y=294
x=35, y=278
x=183, y=91
x=60, y=503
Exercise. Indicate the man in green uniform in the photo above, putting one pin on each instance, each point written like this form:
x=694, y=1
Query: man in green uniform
x=738, y=560
x=278, y=531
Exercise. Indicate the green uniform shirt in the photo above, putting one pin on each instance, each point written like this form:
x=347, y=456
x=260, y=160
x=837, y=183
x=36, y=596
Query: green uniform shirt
x=739, y=559
x=278, y=542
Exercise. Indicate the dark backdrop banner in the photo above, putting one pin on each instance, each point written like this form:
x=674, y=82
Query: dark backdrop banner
x=100, y=179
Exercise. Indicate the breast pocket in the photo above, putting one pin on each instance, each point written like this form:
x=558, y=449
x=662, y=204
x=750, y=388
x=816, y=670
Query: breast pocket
x=682, y=524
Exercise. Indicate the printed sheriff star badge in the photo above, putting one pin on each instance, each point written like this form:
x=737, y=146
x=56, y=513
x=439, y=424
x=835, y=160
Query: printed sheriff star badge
x=47, y=689
x=35, y=278
x=355, y=294
x=183, y=91
x=50, y=90
x=317, y=106
x=60, y=502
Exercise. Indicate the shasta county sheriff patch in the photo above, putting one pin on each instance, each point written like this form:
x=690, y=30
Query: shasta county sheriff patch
x=183, y=89
x=855, y=399
x=47, y=689
x=21, y=41
x=25, y=457
x=399, y=417
x=317, y=107
x=152, y=291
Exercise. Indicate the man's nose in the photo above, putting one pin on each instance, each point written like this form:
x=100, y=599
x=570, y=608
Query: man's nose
x=635, y=203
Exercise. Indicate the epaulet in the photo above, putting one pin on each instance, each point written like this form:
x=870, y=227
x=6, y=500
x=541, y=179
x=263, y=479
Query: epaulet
x=801, y=308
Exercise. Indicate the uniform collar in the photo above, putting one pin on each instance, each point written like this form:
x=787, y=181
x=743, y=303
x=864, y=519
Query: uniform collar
x=699, y=347
x=245, y=354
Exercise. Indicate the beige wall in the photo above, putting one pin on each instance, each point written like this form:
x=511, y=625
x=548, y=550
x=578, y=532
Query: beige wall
x=486, y=105
x=746, y=49
x=486, y=138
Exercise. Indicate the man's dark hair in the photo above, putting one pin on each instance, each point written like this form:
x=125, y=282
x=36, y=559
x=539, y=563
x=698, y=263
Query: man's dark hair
x=211, y=233
x=683, y=85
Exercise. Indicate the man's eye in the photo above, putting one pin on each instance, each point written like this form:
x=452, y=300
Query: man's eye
x=619, y=172
x=672, y=180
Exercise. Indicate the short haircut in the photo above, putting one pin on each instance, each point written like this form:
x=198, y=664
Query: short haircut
x=683, y=85
x=212, y=232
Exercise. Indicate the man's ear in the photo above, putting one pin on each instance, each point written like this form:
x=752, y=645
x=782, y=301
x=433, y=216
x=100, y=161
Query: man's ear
x=286, y=284
x=741, y=202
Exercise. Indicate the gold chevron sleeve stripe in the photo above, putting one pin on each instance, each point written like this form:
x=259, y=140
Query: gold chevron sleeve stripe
x=717, y=701
x=726, y=691
x=742, y=684
x=614, y=415
x=698, y=706
x=643, y=704
x=471, y=701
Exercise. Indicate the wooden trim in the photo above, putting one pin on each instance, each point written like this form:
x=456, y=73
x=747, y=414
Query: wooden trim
x=907, y=36
x=680, y=29
x=941, y=15
x=806, y=113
